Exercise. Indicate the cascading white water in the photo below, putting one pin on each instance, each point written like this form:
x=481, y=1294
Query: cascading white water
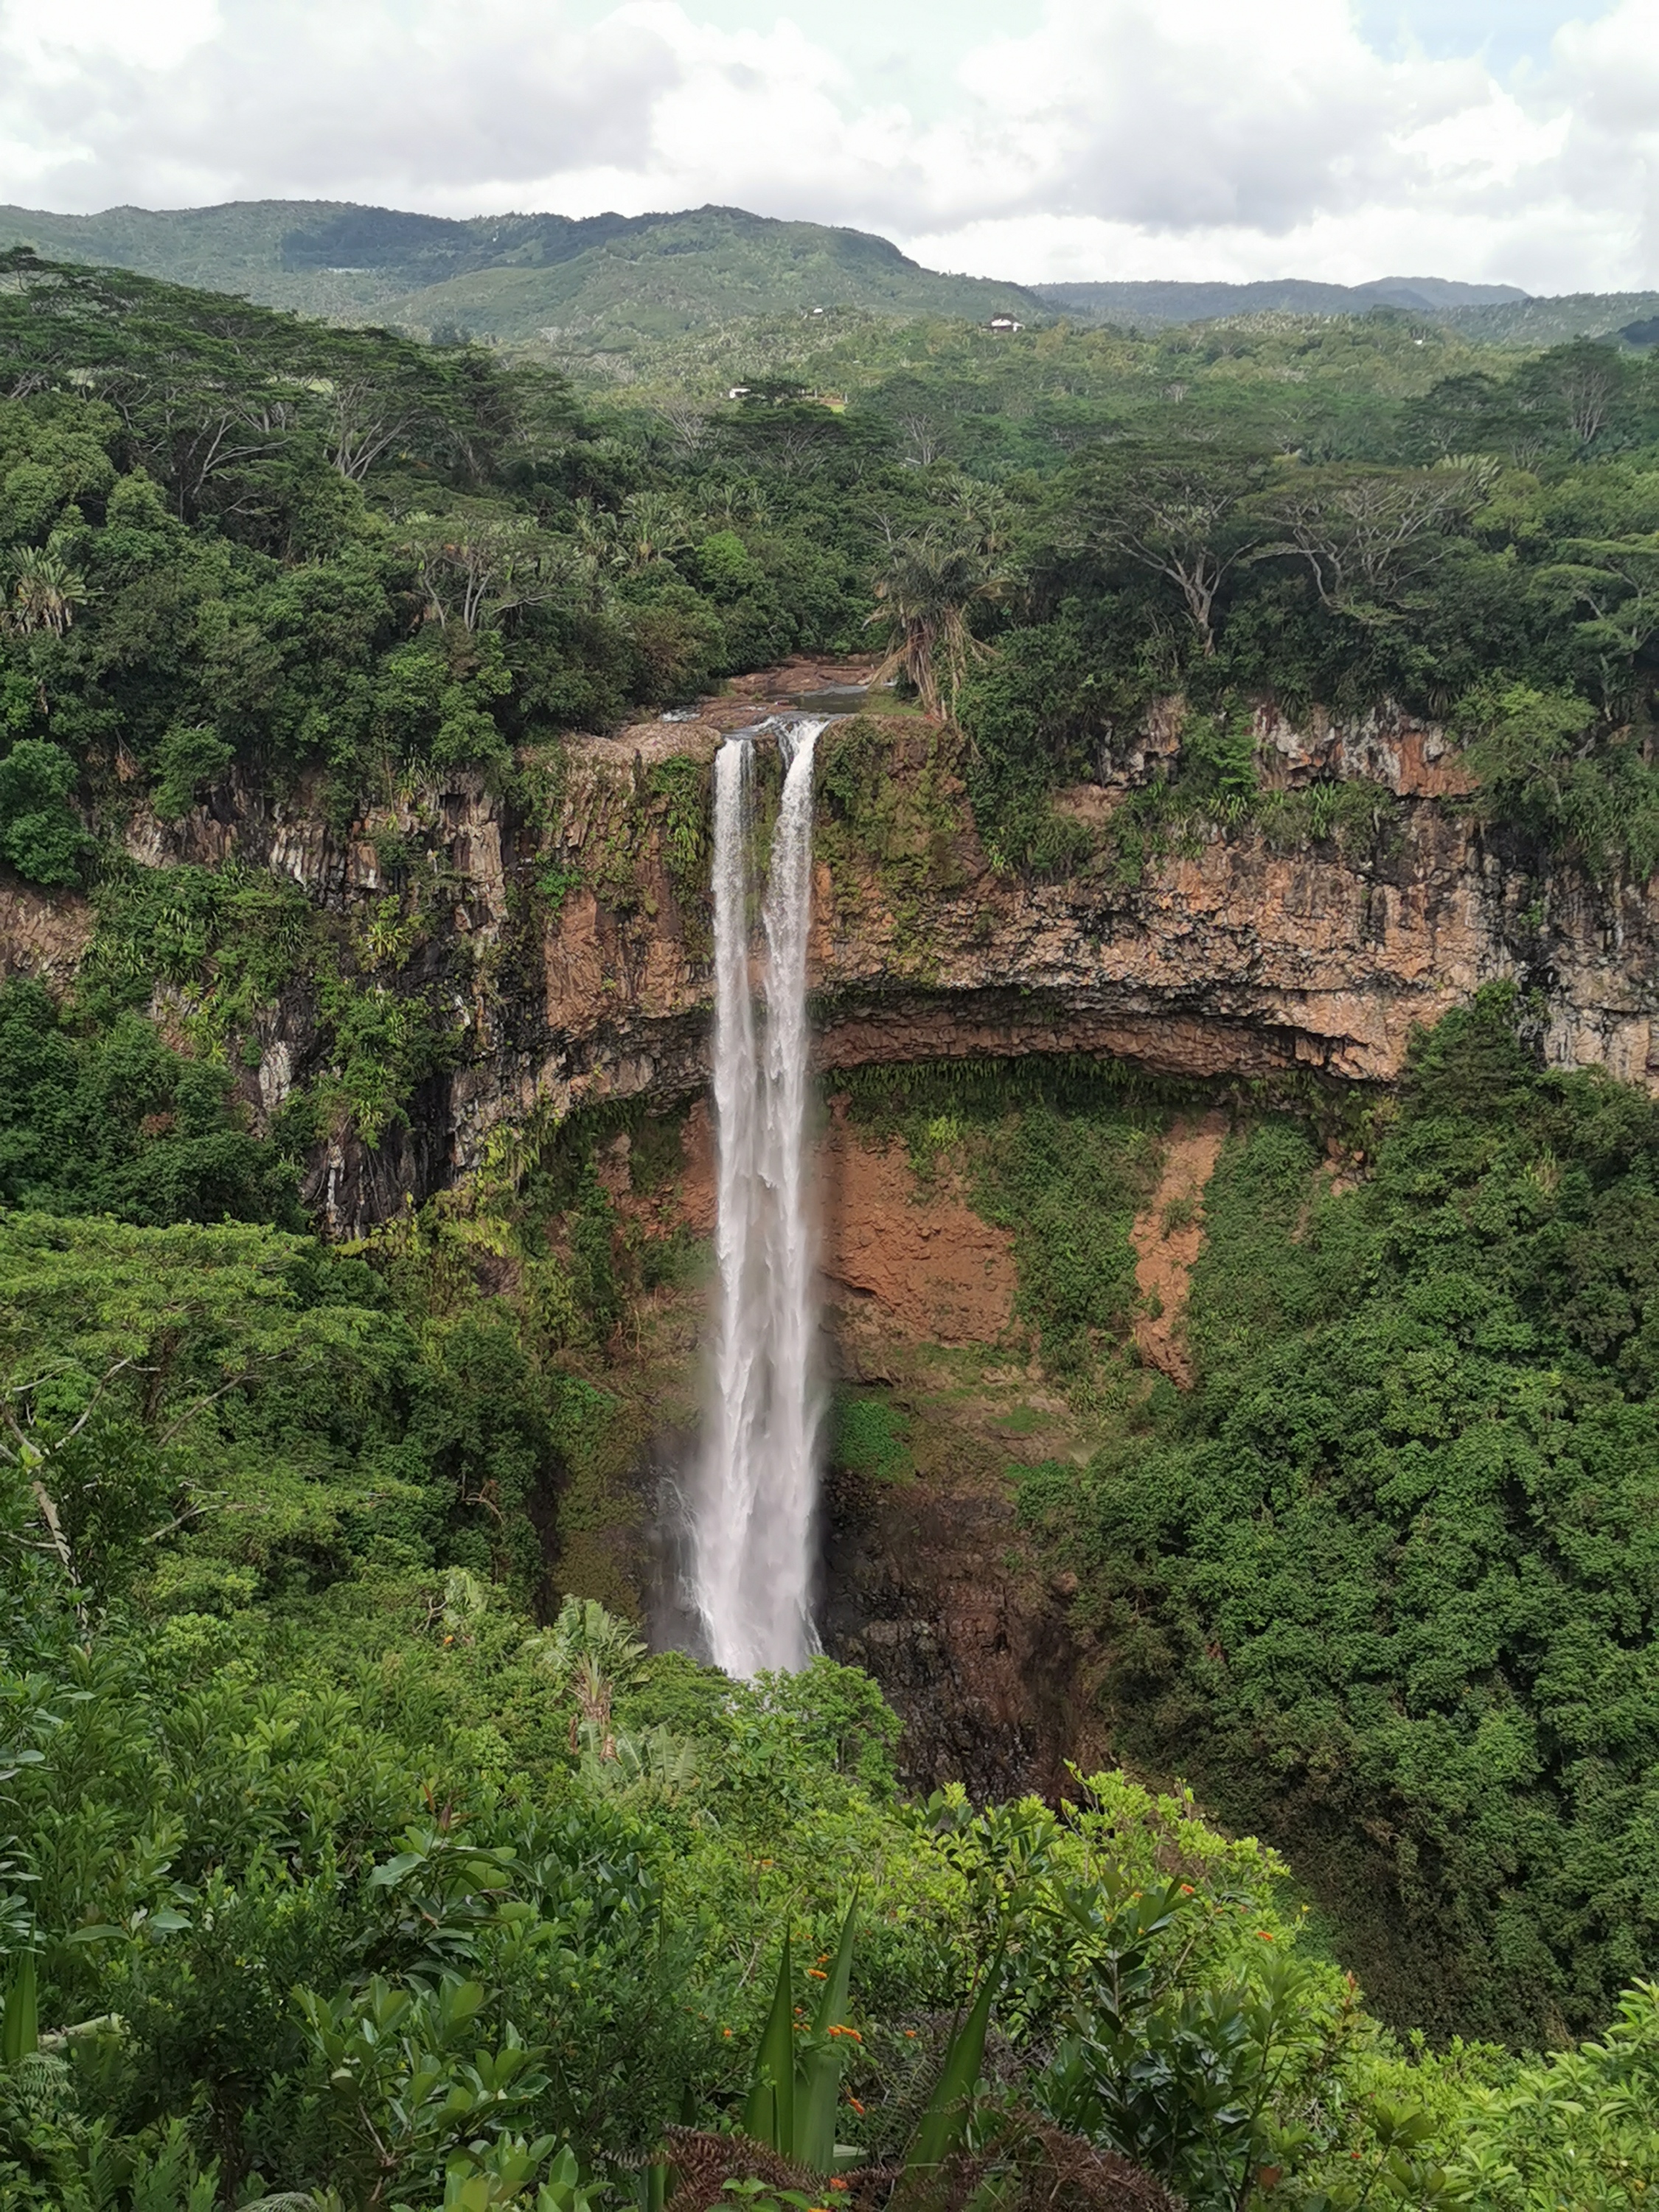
x=751, y=1534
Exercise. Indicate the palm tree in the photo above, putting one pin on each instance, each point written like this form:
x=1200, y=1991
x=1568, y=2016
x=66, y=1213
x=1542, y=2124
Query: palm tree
x=595, y=1653
x=653, y=529
x=930, y=583
x=45, y=590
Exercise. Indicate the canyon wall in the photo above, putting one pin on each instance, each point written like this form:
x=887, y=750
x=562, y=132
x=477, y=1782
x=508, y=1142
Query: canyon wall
x=1228, y=955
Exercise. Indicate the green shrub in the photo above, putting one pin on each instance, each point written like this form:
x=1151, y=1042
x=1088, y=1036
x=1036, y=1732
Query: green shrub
x=40, y=833
x=184, y=760
x=869, y=1436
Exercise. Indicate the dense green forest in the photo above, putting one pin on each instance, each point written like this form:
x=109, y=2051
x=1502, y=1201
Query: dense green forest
x=234, y=536
x=345, y=1852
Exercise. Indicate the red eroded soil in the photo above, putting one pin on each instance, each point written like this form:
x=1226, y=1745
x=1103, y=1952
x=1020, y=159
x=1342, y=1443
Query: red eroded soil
x=923, y=1258
x=919, y=1261
x=1165, y=1256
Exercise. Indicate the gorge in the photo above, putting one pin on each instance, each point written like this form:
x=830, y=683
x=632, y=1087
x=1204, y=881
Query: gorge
x=1054, y=1115
x=1241, y=966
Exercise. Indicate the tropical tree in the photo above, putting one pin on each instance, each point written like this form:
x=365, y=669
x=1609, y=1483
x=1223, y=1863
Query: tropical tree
x=1183, y=516
x=649, y=526
x=930, y=582
x=596, y=1655
x=44, y=590
x=1613, y=585
x=476, y=570
x=1584, y=381
x=1367, y=532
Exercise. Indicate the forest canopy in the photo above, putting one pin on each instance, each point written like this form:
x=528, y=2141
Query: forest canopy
x=229, y=536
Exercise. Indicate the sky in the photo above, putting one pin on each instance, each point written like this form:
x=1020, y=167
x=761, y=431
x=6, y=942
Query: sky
x=1499, y=140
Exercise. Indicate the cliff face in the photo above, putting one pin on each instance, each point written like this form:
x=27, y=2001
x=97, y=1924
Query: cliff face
x=564, y=934
x=1239, y=954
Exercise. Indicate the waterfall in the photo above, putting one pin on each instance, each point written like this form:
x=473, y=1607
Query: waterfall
x=751, y=1533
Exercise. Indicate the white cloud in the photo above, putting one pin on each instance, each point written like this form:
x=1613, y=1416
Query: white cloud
x=57, y=36
x=339, y=98
x=1131, y=138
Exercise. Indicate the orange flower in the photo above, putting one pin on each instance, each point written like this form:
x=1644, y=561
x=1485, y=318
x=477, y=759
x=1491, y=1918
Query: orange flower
x=1186, y=1889
x=815, y=1975
x=838, y=2184
x=1265, y=1934
x=857, y=2107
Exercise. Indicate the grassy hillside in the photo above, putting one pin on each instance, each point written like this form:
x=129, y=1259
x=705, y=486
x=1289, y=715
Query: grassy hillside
x=613, y=280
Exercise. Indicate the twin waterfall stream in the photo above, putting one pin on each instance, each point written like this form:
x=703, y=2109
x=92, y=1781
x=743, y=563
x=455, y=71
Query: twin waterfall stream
x=755, y=1494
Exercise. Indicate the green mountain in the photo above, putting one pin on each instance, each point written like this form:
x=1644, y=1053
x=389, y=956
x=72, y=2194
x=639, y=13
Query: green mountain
x=1525, y=322
x=1155, y=303
x=611, y=283
x=1487, y=314
x=606, y=281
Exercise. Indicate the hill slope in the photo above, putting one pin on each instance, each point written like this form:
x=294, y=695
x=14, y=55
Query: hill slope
x=1153, y=303
x=1553, y=322
x=610, y=284
x=612, y=279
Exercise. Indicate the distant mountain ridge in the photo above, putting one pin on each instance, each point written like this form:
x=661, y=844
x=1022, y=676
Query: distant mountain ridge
x=611, y=283
x=1172, y=302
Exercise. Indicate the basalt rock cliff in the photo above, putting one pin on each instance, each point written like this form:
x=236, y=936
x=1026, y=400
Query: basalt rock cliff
x=1229, y=954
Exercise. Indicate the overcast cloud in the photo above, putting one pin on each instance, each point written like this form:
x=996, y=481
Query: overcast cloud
x=1092, y=138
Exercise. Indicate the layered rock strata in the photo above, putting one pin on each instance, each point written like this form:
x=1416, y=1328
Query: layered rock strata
x=1228, y=955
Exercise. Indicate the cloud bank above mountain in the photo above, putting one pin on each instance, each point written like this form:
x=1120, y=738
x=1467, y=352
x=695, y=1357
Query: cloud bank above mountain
x=1126, y=138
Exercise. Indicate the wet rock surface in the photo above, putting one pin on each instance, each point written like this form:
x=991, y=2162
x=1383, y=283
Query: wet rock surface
x=927, y=1588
